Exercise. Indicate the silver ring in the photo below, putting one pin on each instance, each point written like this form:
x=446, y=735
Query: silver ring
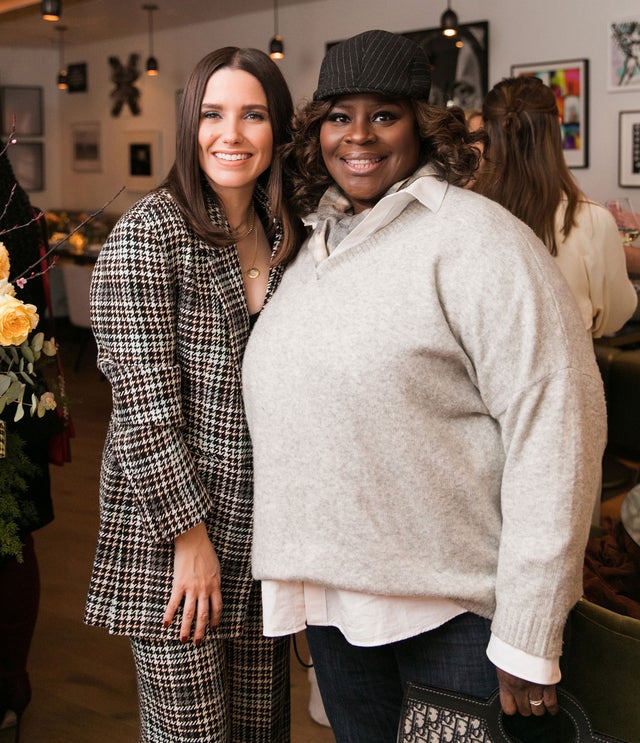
x=536, y=702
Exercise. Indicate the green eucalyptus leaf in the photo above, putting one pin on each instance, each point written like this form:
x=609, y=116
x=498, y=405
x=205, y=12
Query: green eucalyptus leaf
x=4, y=355
x=37, y=342
x=34, y=406
x=5, y=382
x=27, y=352
x=19, y=412
x=13, y=393
x=14, y=354
x=27, y=378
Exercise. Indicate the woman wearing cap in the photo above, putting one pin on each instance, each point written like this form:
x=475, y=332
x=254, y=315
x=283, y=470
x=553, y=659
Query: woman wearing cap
x=426, y=413
x=525, y=171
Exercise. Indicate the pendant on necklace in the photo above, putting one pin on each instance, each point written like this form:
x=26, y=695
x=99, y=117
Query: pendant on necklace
x=253, y=272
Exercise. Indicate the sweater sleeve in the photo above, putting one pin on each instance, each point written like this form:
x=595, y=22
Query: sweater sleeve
x=134, y=297
x=533, y=364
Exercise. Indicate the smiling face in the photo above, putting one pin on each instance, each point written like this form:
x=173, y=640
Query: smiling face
x=368, y=143
x=235, y=138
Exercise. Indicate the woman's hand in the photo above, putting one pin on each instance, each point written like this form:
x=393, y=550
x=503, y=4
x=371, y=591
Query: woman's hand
x=518, y=695
x=196, y=581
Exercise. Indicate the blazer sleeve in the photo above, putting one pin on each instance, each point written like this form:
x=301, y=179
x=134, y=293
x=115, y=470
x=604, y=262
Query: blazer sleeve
x=134, y=300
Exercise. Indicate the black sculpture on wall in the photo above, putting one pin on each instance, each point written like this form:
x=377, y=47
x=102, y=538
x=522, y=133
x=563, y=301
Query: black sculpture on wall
x=125, y=91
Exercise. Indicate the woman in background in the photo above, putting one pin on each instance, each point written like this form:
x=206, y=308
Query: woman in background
x=176, y=289
x=524, y=170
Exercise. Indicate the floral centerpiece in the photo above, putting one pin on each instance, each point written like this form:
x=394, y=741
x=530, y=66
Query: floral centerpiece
x=21, y=353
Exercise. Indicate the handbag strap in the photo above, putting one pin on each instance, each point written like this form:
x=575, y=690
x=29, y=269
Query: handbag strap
x=568, y=704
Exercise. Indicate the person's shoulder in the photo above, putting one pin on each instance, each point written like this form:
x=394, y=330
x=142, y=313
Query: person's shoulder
x=484, y=217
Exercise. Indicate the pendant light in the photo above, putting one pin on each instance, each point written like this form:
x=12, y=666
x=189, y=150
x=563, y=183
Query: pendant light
x=276, y=47
x=51, y=10
x=63, y=83
x=449, y=21
x=152, y=62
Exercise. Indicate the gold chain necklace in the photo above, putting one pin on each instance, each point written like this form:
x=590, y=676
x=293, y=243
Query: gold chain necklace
x=253, y=272
x=250, y=230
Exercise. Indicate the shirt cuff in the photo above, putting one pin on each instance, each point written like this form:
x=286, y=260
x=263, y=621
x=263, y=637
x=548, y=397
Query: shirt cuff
x=545, y=671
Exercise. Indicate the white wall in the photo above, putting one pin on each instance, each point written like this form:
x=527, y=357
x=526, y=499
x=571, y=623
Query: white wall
x=519, y=32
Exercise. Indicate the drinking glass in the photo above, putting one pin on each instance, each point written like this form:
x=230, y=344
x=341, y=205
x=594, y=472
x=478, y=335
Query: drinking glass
x=625, y=219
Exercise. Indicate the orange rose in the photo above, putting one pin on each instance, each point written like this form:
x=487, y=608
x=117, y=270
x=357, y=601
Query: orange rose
x=4, y=262
x=17, y=320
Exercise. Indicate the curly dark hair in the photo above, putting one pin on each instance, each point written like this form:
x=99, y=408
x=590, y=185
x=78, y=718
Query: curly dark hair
x=446, y=144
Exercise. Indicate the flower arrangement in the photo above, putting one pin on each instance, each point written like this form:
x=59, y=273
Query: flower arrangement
x=19, y=357
x=19, y=354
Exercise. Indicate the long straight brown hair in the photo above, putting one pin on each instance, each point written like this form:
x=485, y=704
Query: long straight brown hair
x=185, y=179
x=524, y=167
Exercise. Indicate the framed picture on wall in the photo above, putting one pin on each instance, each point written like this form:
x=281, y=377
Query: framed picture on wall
x=143, y=160
x=85, y=147
x=24, y=105
x=569, y=80
x=624, y=62
x=459, y=64
x=629, y=149
x=27, y=163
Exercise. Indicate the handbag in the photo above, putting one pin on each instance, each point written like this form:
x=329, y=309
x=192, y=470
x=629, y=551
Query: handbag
x=431, y=715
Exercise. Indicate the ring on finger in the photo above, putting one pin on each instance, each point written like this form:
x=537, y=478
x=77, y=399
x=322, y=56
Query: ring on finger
x=536, y=702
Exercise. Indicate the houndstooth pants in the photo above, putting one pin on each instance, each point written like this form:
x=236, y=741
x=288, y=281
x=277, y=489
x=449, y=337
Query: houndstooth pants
x=225, y=691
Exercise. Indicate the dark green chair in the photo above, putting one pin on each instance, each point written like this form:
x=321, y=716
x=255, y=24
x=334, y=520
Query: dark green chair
x=603, y=669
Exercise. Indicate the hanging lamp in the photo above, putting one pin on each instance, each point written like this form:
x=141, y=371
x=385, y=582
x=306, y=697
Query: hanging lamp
x=276, y=46
x=449, y=21
x=152, y=62
x=62, y=81
x=51, y=10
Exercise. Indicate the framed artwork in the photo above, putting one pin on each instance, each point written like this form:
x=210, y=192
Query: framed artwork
x=569, y=80
x=25, y=105
x=27, y=161
x=86, y=155
x=624, y=55
x=77, y=77
x=143, y=160
x=459, y=64
x=629, y=149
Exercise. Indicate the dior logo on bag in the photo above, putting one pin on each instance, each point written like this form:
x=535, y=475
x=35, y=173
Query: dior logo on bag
x=432, y=715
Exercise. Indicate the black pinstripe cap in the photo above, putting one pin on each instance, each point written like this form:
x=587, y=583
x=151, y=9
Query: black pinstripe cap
x=375, y=62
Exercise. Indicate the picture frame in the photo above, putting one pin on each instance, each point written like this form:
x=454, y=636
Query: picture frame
x=27, y=162
x=623, y=71
x=142, y=160
x=77, y=77
x=86, y=147
x=629, y=149
x=25, y=104
x=459, y=64
x=569, y=80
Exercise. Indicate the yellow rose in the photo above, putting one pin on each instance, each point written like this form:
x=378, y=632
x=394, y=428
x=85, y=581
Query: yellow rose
x=4, y=262
x=6, y=288
x=17, y=320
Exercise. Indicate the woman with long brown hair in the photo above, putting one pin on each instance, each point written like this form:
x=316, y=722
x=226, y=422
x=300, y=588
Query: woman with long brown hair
x=176, y=290
x=525, y=170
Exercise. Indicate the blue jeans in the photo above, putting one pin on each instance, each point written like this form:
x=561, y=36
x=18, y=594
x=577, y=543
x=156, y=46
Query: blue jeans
x=362, y=687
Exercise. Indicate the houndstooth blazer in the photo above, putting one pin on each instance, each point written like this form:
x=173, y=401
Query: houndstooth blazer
x=170, y=320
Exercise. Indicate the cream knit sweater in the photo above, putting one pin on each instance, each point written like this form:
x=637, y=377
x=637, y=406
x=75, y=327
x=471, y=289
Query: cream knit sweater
x=427, y=416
